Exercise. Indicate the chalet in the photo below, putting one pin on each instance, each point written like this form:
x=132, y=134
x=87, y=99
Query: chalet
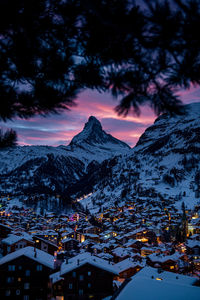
x=14, y=242
x=4, y=231
x=92, y=229
x=50, y=235
x=166, y=262
x=85, y=276
x=45, y=245
x=70, y=244
x=150, y=284
x=127, y=268
x=24, y=274
x=120, y=254
x=92, y=237
x=79, y=236
x=193, y=247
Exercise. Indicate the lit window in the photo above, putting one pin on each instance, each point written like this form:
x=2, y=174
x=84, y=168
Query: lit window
x=157, y=278
x=26, y=285
x=19, y=279
x=11, y=268
x=70, y=286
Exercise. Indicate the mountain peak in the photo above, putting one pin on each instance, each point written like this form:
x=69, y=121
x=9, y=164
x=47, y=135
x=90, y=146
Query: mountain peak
x=92, y=124
x=93, y=120
x=93, y=135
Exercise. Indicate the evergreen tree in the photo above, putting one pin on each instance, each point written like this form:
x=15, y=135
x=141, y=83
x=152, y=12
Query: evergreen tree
x=8, y=138
x=51, y=50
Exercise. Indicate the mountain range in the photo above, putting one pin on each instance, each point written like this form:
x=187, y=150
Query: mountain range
x=163, y=166
x=46, y=169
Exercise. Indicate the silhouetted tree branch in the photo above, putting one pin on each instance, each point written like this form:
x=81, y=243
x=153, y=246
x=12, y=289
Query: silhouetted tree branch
x=51, y=50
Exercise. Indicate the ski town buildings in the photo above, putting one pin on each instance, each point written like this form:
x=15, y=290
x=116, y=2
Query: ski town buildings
x=111, y=254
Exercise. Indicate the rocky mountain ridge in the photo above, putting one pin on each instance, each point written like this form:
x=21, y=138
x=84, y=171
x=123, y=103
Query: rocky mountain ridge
x=45, y=169
x=165, y=164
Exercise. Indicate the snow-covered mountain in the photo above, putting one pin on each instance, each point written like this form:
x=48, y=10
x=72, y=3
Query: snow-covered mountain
x=94, y=136
x=164, y=165
x=45, y=168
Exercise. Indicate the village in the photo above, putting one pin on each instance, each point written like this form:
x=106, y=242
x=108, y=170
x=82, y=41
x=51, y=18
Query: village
x=79, y=255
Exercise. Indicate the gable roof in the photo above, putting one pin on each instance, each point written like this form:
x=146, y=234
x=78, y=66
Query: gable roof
x=166, y=285
x=12, y=239
x=86, y=258
x=32, y=253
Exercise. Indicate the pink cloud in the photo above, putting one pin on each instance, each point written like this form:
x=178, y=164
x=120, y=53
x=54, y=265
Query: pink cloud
x=60, y=128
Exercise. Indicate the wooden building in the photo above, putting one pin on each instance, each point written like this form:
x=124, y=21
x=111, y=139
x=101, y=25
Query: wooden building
x=85, y=277
x=15, y=242
x=24, y=274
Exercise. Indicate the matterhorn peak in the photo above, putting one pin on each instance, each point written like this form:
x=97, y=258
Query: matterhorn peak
x=92, y=123
x=93, y=135
x=94, y=120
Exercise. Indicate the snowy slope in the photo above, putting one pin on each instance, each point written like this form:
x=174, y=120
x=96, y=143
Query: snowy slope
x=165, y=164
x=55, y=168
x=90, y=144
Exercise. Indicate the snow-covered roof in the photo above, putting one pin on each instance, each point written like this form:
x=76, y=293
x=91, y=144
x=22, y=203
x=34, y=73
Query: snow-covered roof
x=125, y=265
x=55, y=277
x=162, y=286
x=121, y=252
x=192, y=243
x=163, y=258
x=12, y=238
x=87, y=258
x=32, y=253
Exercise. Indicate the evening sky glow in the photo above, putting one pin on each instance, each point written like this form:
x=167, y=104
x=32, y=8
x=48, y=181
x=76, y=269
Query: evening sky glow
x=59, y=129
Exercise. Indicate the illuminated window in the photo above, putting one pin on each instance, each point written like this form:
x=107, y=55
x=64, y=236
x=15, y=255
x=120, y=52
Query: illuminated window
x=157, y=278
x=19, y=279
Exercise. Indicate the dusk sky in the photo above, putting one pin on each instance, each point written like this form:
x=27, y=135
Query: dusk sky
x=59, y=129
